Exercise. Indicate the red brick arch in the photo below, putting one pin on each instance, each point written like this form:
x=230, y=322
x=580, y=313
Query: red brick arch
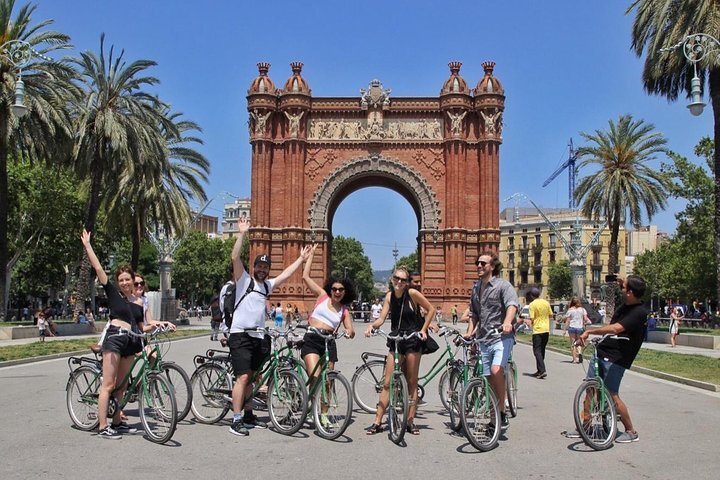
x=440, y=153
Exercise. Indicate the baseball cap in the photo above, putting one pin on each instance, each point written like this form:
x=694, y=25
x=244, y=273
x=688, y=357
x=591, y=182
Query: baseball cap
x=264, y=258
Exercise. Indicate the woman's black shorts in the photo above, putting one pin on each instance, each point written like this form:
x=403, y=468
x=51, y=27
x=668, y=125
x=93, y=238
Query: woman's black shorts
x=125, y=345
x=314, y=343
x=413, y=345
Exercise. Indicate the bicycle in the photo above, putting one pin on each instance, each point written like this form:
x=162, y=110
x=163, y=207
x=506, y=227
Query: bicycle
x=157, y=406
x=213, y=381
x=330, y=394
x=398, y=402
x=368, y=379
x=594, y=410
x=511, y=377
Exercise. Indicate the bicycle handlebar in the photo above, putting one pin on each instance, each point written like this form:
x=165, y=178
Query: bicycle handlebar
x=396, y=338
x=327, y=336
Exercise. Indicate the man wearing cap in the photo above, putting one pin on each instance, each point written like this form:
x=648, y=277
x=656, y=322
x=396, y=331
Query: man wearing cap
x=540, y=314
x=249, y=348
x=493, y=305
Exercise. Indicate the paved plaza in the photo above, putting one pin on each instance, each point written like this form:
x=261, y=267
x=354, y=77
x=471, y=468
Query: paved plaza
x=678, y=428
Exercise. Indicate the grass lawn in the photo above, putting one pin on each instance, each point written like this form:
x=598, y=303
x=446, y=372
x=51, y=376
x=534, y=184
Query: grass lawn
x=39, y=349
x=696, y=367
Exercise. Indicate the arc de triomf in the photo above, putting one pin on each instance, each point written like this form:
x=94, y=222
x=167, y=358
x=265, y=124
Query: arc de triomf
x=440, y=153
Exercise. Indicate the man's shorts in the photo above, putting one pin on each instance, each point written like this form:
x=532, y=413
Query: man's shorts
x=247, y=353
x=611, y=373
x=314, y=343
x=123, y=344
x=496, y=353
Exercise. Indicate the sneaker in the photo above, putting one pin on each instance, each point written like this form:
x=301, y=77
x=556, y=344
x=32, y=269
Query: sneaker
x=252, y=421
x=572, y=433
x=504, y=421
x=543, y=375
x=627, y=437
x=123, y=428
x=109, y=434
x=325, y=421
x=237, y=428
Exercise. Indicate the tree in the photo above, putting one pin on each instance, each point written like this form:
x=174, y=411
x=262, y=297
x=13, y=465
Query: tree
x=117, y=129
x=663, y=24
x=45, y=130
x=201, y=265
x=559, y=280
x=410, y=261
x=624, y=185
x=348, y=259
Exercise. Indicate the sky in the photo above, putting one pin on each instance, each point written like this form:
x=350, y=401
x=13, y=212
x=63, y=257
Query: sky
x=566, y=66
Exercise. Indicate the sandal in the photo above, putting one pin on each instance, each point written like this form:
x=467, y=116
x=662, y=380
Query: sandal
x=413, y=429
x=373, y=429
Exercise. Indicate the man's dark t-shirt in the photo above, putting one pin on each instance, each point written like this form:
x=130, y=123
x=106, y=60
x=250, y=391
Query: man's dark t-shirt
x=623, y=352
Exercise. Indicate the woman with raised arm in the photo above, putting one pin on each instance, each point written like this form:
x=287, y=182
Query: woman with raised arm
x=331, y=310
x=118, y=349
x=676, y=318
x=403, y=304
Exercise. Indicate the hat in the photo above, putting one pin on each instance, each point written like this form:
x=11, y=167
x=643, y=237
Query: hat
x=533, y=293
x=264, y=258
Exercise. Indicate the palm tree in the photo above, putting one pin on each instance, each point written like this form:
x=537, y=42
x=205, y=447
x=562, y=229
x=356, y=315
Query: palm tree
x=624, y=186
x=116, y=130
x=159, y=192
x=44, y=132
x=663, y=24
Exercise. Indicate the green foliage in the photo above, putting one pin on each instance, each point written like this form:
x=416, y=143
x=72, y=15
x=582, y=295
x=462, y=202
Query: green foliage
x=45, y=218
x=201, y=266
x=560, y=280
x=410, y=261
x=348, y=256
x=684, y=268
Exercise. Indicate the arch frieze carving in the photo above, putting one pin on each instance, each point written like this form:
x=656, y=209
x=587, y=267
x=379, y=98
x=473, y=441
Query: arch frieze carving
x=374, y=165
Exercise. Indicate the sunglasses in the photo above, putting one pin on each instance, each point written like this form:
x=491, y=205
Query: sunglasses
x=481, y=263
x=337, y=289
x=140, y=284
x=399, y=279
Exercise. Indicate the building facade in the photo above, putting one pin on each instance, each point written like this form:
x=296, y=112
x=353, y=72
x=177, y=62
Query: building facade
x=528, y=246
x=206, y=224
x=642, y=239
x=232, y=212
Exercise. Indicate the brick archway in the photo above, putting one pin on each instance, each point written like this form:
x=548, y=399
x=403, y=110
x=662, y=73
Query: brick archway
x=441, y=153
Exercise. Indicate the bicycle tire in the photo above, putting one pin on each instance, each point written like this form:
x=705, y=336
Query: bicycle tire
x=398, y=406
x=338, y=402
x=287, y=401
x=443, y=388
x=367, y=383
x=454, y=392
x=178, y=378
x=511, y=389
x=599, y=431
x=81, y=395
x=211, y=386
x=480, y=414
x=157, y=408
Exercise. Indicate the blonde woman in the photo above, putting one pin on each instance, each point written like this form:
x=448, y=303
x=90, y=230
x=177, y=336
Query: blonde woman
x=676, y=317
x=403, y=304
x=576, y=318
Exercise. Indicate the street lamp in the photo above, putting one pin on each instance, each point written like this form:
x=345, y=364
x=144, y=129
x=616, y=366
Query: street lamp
x=19, y=53
x=695, y=48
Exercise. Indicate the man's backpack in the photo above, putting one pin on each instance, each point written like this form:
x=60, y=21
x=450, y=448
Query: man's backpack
x=230, y=305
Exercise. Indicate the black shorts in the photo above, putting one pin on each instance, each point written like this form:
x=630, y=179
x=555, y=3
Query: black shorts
x=413, y=345
x=314, y=343
x=247, y=354
x=125, y=345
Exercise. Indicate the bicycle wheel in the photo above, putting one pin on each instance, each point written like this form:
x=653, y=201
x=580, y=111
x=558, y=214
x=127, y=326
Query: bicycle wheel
x=595, y=415
x=179, y=380
x=287, y=401
x=211, y=389
x=454, y=391
x=367, y=383
x=332, y=407
x=398, y=408
x=444, y=388
x=157, y=408
x=511, y=389
x=81, y=395
x=480, y=414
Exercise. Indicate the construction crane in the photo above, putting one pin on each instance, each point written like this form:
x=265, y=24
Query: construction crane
x=575, y=250
x=572, y=172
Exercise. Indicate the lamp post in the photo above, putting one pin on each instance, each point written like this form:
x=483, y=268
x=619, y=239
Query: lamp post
x=696, y=47
x=19, y=53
